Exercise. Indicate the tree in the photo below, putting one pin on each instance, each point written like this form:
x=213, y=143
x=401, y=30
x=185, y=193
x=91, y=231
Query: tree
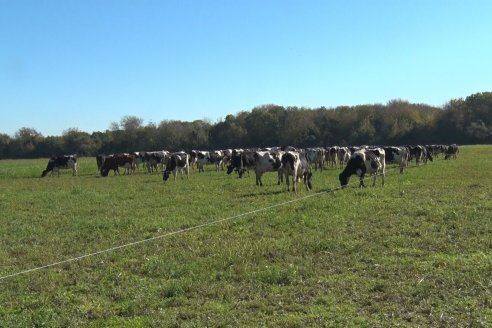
x=26, y=140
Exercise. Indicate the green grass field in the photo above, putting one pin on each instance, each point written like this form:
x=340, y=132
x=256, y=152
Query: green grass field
x=416, y=252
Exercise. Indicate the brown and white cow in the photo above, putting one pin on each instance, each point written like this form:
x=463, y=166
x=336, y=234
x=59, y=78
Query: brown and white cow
x=114, y=162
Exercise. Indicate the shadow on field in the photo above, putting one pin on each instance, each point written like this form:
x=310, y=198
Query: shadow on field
x=263, y=193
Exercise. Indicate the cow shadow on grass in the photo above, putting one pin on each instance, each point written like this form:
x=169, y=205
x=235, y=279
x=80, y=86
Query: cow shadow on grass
x=262, y=193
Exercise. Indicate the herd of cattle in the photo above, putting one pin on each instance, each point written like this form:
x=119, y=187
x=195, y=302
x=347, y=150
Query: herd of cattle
x=289, y=163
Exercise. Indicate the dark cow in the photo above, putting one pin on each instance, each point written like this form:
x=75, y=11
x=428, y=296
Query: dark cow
x=452, y=151
x=364, y=161
x=100, y=160
x=420, y=154
x=55, y=164
x=177, y=162
x=397, y=155
x=241, y=161
x=114, y=162
x=295, y=165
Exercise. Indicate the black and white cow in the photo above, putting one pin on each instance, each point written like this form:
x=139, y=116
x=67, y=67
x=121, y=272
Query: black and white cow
x=397, y=155
x=57, y=163
x=371, y=161
x=154, y=160
x=177, y=162
x=215, y=158
x=420, y=154
x=199, y=158
x=266, y=162
x=226, y=159
x=295, y=165
x=343, y=156
x=331, y=156
x=315, y=157
x=452, y=151
x=242, y=161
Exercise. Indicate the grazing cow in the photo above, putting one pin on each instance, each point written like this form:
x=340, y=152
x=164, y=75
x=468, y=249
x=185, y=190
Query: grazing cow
x=296, y=166
x=242, y=161
x=364, y=161
x=266, y=162
x=397, y=155
x=452, y=151
x=177, y=162
x=55, y=164
x=114, y=162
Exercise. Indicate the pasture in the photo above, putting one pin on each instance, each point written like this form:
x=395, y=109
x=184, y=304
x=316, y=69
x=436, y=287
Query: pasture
x=416, y=252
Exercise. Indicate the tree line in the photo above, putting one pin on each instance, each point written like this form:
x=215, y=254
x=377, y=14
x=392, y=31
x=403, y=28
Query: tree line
x=462, y=121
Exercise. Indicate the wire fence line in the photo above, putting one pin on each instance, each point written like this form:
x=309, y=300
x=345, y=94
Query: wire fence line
x=196, y=227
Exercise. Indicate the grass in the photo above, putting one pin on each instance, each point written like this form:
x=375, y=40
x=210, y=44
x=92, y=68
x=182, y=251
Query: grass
x=416, y=252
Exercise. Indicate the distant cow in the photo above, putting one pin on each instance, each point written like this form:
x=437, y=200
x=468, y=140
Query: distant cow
x=364, y=161
x=343, y=156
x=397, y=155
x=331, y=156
x=420, y=154
x=100, y=160
x=452, y=151
x=296, y=166
x=114, y=162
x=177, y=162
x=55, y=164
x=316, y=157
x=200, y=158
x=154, y=159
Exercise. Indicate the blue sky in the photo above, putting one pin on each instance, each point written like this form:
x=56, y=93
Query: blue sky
x=84, y=64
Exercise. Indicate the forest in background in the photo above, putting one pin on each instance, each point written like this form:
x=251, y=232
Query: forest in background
x=461, y=121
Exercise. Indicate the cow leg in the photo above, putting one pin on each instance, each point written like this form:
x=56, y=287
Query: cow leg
x=287, y=181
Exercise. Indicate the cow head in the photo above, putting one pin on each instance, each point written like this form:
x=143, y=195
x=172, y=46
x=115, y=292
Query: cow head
x=230, y=168
x=241, y=172
x=344, y=179
x=104, y=172
x=165, y=175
